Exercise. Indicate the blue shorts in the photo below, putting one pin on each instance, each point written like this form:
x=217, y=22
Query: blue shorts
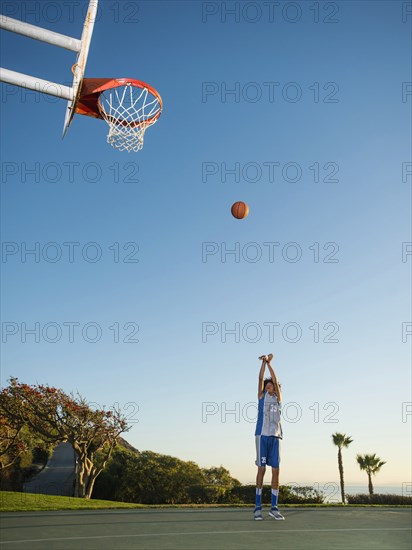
x=267, y=451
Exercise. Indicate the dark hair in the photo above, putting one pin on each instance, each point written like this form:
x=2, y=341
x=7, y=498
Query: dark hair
x=266, y=381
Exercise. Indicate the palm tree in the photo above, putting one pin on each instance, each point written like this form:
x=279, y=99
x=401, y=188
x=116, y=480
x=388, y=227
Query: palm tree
x=371, y=464
x=341, y=441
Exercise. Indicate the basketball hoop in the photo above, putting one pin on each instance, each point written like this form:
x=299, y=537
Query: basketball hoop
x=128, y=106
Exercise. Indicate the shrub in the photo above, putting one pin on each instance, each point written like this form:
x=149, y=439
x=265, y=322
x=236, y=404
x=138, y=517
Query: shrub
x=378, y=499
x=288, y=494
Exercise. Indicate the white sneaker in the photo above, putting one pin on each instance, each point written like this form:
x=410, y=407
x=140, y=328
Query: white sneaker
x=257, y=514
x=275, y=514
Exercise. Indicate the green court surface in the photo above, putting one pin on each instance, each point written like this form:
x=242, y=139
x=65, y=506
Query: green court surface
x=314, y=528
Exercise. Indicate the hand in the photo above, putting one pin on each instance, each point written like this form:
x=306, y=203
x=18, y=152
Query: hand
x=263, y=358
x=269, y=358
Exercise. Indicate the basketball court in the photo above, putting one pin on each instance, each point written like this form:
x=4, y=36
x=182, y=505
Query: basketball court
x=303, y=528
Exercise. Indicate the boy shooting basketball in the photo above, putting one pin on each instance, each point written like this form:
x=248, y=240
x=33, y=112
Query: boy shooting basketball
x=268, y=435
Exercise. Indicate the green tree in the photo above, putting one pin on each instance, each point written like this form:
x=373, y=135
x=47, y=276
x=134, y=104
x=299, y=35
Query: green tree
x=151, y=478
x=165, y=479
x=341, y=441
x=117, y=479
x=57, y=417
x=371, y=464
x=218, y=485
x=218, y=475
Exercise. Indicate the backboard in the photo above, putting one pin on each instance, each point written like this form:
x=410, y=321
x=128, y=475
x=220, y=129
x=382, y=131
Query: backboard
x=80, y=66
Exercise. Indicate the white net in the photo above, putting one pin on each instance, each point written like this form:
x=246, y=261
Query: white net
x=129, y=111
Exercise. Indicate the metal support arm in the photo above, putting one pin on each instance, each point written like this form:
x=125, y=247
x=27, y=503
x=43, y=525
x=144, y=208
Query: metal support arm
x=36, y=84
x=44, y=35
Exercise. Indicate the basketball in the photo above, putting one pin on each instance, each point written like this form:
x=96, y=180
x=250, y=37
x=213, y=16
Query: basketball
x=240, y=210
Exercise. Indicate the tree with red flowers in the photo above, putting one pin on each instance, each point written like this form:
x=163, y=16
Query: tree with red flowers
x=11, y=443
x=57, y=417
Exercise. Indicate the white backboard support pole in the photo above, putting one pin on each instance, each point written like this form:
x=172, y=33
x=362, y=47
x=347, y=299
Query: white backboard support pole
x=37, y=33
x=36, y=84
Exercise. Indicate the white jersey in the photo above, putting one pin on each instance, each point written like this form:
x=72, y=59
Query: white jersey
x=269, y=411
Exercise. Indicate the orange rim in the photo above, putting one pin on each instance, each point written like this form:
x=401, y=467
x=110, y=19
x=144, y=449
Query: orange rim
x=92, y=88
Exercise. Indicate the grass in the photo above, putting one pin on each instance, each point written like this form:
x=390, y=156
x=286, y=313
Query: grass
x=27, y=502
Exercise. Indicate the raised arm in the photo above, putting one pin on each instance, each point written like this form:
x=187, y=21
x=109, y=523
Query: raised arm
x=273, y=376
x=261, y=376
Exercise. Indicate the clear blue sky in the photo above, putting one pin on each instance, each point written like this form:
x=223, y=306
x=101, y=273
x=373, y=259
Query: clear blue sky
x=174, y=196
